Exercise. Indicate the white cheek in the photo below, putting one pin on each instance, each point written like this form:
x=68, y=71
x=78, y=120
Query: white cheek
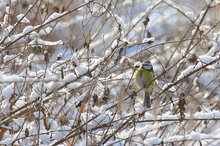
x=147, y=67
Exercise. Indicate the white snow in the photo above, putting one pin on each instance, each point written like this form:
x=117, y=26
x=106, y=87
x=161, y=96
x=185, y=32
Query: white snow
x=175, y=138
x=16, y=37
x=191, y=15
x=53, y=125
x=152, y=141
x=8, y=91
x=137, y=64
x=172, y=89
x=186, y=72
x=53, y=17
x=19, y=121
x=28, y=29
x=9, y=28
x=195, y=136
x=206, y=59
x=57, y=65
x=20, y=103
x=32, y=128
x=45, y=139
x=74, y=85
x=146, y=40
x=57, y=135
x=104, y=108
x=7, y=9
x=102, y=119
x=146, y=128
x=149, y=116
x=80, y=70
x=9, y=57
x=115, y=43
x=70, y=77
x=120, y=20
x=51, y=77
x=38, y=41
x=124, y=134
x=7, y=141
x=215, y=48
x=168, y=118
x=216, y=114
x=22, y=18
x=204, y=115
x=61, y=132
x=5, y=21
x=38, y=115
x=75, y=60
x=139, y=107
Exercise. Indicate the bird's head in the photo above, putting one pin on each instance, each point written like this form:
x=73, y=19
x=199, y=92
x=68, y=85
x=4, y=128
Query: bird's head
x=146, y=65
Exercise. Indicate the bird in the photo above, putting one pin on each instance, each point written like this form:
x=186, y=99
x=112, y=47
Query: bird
x=144, y=78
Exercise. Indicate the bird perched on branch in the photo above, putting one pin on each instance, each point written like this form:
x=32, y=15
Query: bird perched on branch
x=144, y=78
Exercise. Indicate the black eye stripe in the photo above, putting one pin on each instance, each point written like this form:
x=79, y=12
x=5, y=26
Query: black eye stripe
x=147, y=64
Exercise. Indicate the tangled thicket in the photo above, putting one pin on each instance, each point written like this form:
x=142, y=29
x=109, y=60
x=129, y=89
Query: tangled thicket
x=67, y=72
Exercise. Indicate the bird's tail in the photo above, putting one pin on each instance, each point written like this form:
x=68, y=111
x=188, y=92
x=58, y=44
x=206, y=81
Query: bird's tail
x=147, y=101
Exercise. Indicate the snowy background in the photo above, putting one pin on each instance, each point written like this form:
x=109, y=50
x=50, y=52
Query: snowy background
x=67, y=67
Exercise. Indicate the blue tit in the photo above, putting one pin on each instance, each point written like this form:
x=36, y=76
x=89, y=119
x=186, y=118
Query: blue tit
x=145, y=78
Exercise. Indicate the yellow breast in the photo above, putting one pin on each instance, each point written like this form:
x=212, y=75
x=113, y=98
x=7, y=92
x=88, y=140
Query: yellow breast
x=144, y=78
